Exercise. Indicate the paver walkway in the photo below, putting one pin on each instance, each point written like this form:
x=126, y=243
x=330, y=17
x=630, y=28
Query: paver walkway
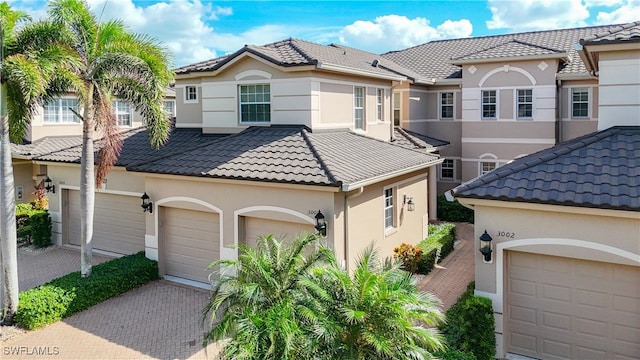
x=449, y=279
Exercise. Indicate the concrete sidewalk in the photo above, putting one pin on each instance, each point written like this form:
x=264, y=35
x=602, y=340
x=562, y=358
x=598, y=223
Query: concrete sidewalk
x=449, y=279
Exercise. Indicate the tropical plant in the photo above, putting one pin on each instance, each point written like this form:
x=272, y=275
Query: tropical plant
x=376, y=313
x=113, y=63
x=31, y=57
x=260, y=303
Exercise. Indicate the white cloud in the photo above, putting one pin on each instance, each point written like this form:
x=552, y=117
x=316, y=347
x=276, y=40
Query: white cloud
x=629, y=11
x=392, y=32
x=607, y=3
x=524, y=15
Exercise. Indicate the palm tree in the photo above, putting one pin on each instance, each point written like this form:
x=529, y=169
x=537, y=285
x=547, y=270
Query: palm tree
x=260, y=303
x=375, y=313
x=30, y=57
x=114, y=63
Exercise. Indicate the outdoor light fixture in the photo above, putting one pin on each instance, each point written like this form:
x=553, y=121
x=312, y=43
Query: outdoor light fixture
x=321, y=224
x=48, y=185
x=485, y=246
x=411, y=206
x=146, y=204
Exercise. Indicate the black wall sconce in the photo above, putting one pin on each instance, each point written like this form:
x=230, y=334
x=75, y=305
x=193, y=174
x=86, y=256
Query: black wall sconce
x=146, y=204
x=49, y=186
x=321, y=224
x=485, y=246
x=411, y=206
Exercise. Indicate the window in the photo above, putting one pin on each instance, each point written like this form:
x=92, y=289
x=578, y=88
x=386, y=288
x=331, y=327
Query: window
x=489, y=104
x=255, y=103
x=486, y=166
x=358, y=107
x=396, y=108
x=580, y=102
x=446, y=105
x=190, y=93
x=58, y=111
x=379, y=102
x=389, y=213
x=169, y=107
x=447, y=169
x=525, y=103
x=123, y=112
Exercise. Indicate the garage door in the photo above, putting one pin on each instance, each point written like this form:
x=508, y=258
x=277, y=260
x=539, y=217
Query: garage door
x=118, y=222
x=191, y=242
x=561, y=308
x=256, y=227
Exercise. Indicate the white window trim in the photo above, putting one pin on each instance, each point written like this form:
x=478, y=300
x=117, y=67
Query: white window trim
x=440, y=177
x=57, y=123
x=240, y=121
x=589, y=102
x=453, y=113
x=130, y=113
x=364, y=107
x=398, y=95
x=394, y=199
x=186, y=92
x=380, y=105
x=487, y=158
x=174, y=106
x=517, y=102
x=497, y=104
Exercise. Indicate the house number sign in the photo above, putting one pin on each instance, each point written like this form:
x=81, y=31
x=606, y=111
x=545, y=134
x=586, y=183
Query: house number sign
x=506, y=234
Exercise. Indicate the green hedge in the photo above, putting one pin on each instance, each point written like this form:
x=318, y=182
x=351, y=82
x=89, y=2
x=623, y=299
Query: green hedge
x=441, y=237
x=107, y=280
x=454, y=354
x=453, y=211
x=470, y=325
x=427, y=261
x=34, y=226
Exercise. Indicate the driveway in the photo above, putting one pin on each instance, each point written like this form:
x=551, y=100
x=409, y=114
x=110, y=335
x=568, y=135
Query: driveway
x=160, y=320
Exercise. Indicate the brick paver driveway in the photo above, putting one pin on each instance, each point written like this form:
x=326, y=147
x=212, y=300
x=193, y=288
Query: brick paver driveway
x=159, y=320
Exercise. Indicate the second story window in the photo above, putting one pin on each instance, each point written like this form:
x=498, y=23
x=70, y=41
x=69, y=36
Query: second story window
x=379, y=102
x=190, y=93
x=255, y=103
x=487, y=166
x=447, y=169
x=446, y=105
x=489, y=104
x=579, y=102
x=396, y=108
x=525, y=103
x=358, y=107
x=58, y=111
x=123, y=112
x=389, y=211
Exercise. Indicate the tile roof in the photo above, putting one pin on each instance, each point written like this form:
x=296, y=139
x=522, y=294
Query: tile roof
x=509, y=49
x=44, y=146
x=296, y=52
x=599, y=170
x=413, y=140
x=291, y=154
x=433, y=59
x=617, y=34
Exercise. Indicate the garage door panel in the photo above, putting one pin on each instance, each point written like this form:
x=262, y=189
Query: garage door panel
x=118, y=222
x=283, y=230
x=591, y=310
x=191, y=241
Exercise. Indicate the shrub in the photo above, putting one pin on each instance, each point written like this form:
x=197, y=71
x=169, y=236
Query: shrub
x=453, y=211
x=470, y=325
x=409, y=255
x=427, y=261
x=33, y=225
x=107, y=280
x=441, y=237
x=45, y=305
x=454, y=354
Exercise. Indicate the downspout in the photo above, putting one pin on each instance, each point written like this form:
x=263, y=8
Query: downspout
x=346, y=224
x=558, y=111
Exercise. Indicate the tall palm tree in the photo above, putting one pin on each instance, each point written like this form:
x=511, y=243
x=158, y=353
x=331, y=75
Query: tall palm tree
x=115, y=63
x=260, y=303
x=375, y=313
x=30, y=56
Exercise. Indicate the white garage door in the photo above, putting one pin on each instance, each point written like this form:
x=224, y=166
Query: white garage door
x=118, y=222
x=191, y=241
x=561, y=308
x=256, y=227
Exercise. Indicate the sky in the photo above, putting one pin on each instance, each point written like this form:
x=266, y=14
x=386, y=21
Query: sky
x=196, y=30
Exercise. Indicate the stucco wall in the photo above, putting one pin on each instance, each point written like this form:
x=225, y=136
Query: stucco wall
x=23, y=172
x=619, y=88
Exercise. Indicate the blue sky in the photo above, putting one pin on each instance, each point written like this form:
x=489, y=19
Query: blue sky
x=196, y=30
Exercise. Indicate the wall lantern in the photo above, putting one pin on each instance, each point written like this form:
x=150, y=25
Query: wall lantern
x=321, y=224
x=485, y=246
x=411, y=206
x=48, y=185
x=146, y=204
